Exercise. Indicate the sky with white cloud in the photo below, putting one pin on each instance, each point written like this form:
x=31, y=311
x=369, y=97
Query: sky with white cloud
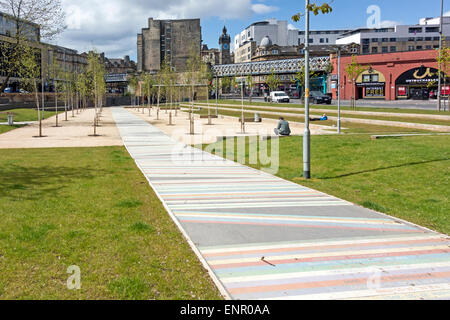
x=111, y=26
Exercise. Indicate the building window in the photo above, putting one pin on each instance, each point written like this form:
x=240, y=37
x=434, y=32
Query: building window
x=374, y=39
x=411, y=39
x=365, y=41
x=311, y=40
x=436, y=39
x=428, y=38
x=327, y=40
x=416, y=30
x=410, y=48
x=419, y=39
x=432, y=29
x=384, y=40
x=365, y=49
x=393, y=39
x=322, y=40
x=374, y=50
x=429, y=47
x=419, y=47
x=384, y=49
x=393, y=49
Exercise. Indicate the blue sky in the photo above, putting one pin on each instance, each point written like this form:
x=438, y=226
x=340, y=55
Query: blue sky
x=346, y=14
x=111, y=26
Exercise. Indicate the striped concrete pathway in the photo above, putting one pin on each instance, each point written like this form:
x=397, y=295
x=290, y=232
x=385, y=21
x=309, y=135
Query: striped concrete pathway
x=262, y=237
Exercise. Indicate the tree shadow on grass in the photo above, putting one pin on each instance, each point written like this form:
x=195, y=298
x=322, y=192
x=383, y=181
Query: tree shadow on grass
x=32, y=183
x=383, y=168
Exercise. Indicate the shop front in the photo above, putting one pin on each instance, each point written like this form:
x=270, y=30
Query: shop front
x=419, y=83
x=371, y=84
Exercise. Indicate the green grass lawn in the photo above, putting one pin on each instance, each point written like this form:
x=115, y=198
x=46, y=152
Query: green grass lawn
x=404, y=177
x=359, y=107
x=349, y=127
x=21, y=115
x=354, y=116
x=89, y=207
x=4, y=129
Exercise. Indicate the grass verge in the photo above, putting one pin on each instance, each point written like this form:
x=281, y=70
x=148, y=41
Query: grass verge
x=92, y=208
x=349, y=127
x=329, y=107
x=21, y=115
x=353, y=116
x=4, y=129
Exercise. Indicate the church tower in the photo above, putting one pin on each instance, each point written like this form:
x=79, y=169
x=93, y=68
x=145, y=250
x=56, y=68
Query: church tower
x=225, y=50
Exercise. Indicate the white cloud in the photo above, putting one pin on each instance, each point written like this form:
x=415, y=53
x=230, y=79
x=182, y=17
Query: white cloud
x=447, y=14
x=292, y=27
x=260, y=8
x=111, y=26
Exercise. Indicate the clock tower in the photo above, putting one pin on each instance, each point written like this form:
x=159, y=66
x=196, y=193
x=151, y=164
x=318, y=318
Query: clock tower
x=225, y=50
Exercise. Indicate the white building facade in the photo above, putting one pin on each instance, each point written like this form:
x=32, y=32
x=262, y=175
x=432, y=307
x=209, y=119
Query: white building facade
x=278, y=31
x=422, y=36
x=321, y=37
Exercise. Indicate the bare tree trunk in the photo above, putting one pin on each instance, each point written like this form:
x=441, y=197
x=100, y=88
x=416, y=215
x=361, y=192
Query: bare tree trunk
x=38, y=107
x=207, y=103
x=56, y=102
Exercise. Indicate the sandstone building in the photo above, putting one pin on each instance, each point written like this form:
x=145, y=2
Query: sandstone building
x=171, y=40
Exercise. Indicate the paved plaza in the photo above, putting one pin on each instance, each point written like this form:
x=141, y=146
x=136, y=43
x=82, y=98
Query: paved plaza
x=72, y=133
x=262, y=237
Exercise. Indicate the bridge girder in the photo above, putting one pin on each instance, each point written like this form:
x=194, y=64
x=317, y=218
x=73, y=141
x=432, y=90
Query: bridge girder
x=287, y=66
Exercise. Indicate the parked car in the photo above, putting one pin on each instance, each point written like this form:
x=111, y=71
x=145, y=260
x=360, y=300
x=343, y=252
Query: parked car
x=23, y=91
x=279, y=96
x=8, y=90
x=318, y=97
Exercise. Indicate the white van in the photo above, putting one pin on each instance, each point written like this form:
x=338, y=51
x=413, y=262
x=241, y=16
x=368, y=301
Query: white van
x=279, y=96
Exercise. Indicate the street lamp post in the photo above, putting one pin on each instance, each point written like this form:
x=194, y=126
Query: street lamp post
x=217, y=94
x=339, y=91
x=440, y=52
x=307, y=133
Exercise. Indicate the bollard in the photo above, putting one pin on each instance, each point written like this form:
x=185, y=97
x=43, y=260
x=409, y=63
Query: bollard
x=157, y=114
x=257, y=117
x=10, y=119
x=170, y=119
x=191, y=126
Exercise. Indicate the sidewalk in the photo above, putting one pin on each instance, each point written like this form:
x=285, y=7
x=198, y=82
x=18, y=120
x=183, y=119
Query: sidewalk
x=262, y=237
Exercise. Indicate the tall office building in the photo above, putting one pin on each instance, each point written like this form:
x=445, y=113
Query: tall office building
x=171, y=40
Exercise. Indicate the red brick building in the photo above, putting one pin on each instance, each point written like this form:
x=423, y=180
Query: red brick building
x=391, y=76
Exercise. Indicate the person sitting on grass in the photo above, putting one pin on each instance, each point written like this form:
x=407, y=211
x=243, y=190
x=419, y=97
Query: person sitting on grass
x=283, y=128
x=323, y=118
